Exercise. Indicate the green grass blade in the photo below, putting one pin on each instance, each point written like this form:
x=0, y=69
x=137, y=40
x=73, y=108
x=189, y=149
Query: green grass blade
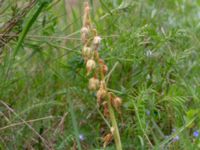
x=74, y=122
x=27, y=27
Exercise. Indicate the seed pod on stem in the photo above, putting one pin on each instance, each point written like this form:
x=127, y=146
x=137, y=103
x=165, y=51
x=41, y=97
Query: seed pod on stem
x=116, y=103
x=86, y=17
x=107, y=139
x=90, y=65
x=101, y=93
x=97, y=40
x=93, y=83
x=87, y=52
x=84, y=34
x=105, y=69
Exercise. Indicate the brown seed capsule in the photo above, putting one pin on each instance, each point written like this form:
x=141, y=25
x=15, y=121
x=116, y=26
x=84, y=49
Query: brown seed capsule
x=84, y=30
x=101, y=94
x=101, y=61
x=102, y=85
x=86, y=17
x=90, y=65
x=105, y=69
x=97, y=40
x=107, y=139
x=87, y=52
x=84, y=34
x=93, y=83
x=87, y=8
x=116, y=102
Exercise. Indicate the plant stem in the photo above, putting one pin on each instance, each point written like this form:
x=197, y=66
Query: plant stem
x=111, y=112
x=74, y=122
x=24, y=33
x=114, y=125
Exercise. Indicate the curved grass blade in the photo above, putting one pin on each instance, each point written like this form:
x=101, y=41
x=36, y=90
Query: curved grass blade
x=27, y=27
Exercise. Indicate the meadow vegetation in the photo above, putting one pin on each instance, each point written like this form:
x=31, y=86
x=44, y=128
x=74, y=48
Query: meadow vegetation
x=151, y=49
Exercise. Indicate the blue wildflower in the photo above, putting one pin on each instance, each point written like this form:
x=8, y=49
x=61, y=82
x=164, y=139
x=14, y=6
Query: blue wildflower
x=196, y=133
x=81, y=137
x=176, y=138
x=148, y=113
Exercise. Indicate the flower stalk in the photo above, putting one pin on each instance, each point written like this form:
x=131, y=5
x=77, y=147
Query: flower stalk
x=98, y=69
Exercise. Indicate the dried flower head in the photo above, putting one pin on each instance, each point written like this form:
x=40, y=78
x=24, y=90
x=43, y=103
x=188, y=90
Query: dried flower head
x=101, y=94
x=84, y=34
x=86, y=17
x=87, y=8
x=101, y=61
x=93, y=83
x=85, y=30
x=116, y=102
x=87, y=52
x=102, y=85
x=105, y=69
x=97, y=40
x=90, y=65
x=107, y=139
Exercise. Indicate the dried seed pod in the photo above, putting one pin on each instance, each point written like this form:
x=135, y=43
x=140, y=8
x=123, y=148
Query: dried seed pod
x=84, y=34
x=101, y=62
x=107, y=139
x=105, y=69
x=116, y=102
x=86, y=17
x=101, y=94
x=84, y=30
x=87, y=8
x=93, y=83
x=90, y=65
x=87, y=52
x=102, y=85
x=97, y=40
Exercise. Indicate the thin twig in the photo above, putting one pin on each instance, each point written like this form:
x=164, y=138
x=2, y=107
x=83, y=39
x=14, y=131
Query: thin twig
x=28, y=121
x=8, y=26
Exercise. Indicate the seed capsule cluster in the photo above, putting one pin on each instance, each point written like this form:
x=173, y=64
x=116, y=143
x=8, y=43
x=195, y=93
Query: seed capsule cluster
x=96, y=66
